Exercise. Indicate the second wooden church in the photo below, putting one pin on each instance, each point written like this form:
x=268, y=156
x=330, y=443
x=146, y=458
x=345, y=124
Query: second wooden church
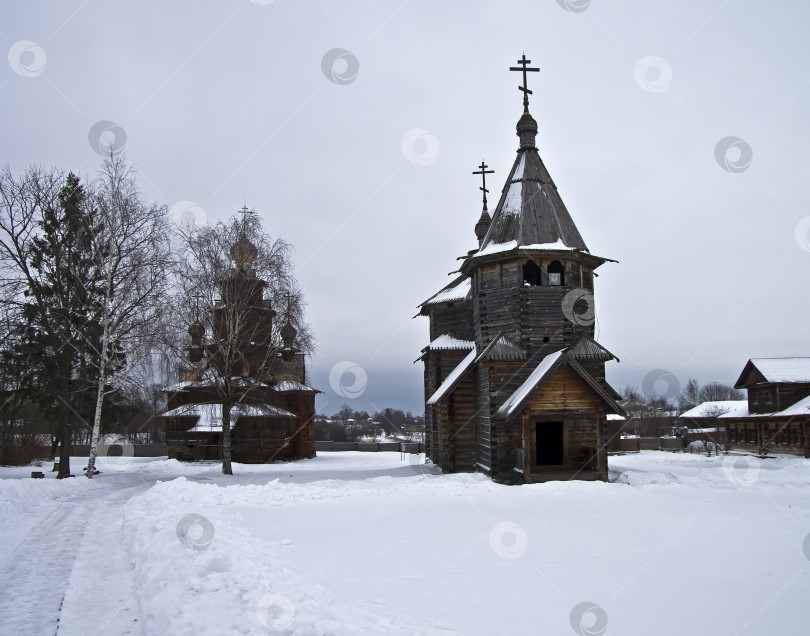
x=514, y=380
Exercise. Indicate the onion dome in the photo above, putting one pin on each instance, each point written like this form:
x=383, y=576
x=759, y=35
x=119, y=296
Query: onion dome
x=196, y=331
x=288, y=333
x=243, y=252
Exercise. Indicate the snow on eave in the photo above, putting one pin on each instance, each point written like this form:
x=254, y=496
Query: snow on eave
x=614, y=417
x=715, y=408
x=458, y=290
x=802, y=407
x=455, y=376
x=515, y=401
x=293, y=385
x=448, y=342
x=207, y=413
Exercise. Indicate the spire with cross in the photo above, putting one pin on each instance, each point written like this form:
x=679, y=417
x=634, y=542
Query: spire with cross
x=484, y=172
x=524, y=68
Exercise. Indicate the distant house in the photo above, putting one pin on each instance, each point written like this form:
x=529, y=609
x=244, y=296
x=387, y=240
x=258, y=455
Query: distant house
x=776, y=416
x=703, y=421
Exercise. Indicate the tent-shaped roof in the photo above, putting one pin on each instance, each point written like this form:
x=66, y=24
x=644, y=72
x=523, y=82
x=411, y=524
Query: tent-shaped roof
x=774, y=370
x=530, y=210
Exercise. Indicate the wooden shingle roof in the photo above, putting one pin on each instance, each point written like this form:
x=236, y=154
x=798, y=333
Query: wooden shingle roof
x=530, y=210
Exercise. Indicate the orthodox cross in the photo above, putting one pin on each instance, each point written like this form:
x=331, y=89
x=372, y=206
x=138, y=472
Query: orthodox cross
x=244, y=209
x=484, y=172
x=524, y=68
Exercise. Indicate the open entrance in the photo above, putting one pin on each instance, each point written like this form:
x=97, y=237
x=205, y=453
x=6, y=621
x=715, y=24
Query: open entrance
x=549, y=437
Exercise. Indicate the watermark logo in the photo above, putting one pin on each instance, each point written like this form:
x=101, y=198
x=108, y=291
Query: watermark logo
x=348, y=379
x=420, y=146
x=733, y=154
x=185, y=214
x=660, y=383
x=116, y=452
x=578, y=306
x=27, y=58
x=107, y=138
x=574, y=6
x=275, y=612
x=802, y=233
x=195, y=531
x=741, y=470
x=508, y=540
x=588, y=619
x=340, y=66
x=653, y=74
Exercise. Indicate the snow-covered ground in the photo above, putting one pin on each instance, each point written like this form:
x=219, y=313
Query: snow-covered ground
x=369, y=543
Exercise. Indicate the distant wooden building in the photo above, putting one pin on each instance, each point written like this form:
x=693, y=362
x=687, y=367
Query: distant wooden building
x=274, y=410
x=514, y=380
x=776, y=417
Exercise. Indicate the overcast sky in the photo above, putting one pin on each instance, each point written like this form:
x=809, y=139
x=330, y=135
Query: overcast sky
x=353, y=127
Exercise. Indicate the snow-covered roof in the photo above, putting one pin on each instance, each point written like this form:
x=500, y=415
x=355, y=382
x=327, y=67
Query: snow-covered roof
x=515, y=401
x=456, y=291
x=209, y=416
x=530, y=210
x=615, y=417
x=715, y=408
x=802, y=407
x=455, y=376
x=498, y=248
x=504, y=349
x=783, y=369
x=292, y=385
x=446, y=341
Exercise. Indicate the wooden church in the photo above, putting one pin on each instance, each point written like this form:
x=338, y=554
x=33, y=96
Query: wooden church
x=514, y=380
x=272, y=409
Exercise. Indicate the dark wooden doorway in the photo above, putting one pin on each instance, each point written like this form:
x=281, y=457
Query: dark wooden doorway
x=549, y=437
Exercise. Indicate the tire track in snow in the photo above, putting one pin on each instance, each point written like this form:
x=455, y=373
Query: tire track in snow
x=34, y=576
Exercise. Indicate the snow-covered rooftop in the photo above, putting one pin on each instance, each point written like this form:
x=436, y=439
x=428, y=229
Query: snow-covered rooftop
x=209, y=416
x=446, y=341
x=453, y=378
x=514, y=401
x=715, y=408
x=783, y=369
x=293, y=385
x=497, y=248
x=802, y=407
x=459, y=291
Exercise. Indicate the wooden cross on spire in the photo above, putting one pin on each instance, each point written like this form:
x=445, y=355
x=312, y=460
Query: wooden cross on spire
x=524, y=68
x=484, y=172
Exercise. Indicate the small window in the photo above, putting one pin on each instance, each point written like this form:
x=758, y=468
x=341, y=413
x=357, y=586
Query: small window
x=555, y=273
x=531, y=273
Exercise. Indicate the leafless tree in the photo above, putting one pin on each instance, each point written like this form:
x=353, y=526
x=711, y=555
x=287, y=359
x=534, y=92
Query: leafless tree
x=134, y=259
x=232, y=278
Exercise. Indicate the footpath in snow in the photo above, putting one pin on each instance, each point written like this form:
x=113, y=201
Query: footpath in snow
x=366, y=543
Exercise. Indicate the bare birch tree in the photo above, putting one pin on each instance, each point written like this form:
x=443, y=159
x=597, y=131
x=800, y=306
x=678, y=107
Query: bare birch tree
x=134, y=257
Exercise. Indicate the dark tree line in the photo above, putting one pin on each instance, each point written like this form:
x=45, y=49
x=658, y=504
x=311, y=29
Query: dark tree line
x=348, y=425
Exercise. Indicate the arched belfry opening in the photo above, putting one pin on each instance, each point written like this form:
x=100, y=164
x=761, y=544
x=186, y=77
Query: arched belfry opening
x=531, y=273
x=556, y=273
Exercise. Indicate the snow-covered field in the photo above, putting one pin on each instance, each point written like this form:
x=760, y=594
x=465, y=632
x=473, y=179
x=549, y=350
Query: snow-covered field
x=369, y=543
